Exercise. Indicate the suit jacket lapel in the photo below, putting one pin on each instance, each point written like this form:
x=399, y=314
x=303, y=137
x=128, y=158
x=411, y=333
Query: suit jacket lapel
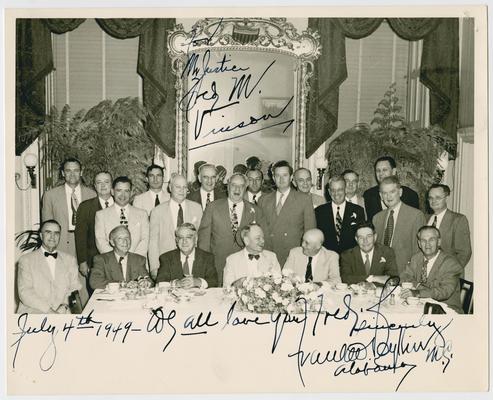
x=331, y=220
x=64, y=208
x=44, y=267
x=198, y=266
x=178, y=268
x=377, y=255
x=436, y=265
x=446, y=221
x=115, y=266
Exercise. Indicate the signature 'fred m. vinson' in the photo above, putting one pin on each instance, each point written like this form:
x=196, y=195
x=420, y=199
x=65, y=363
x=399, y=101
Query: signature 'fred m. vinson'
x=383, y=352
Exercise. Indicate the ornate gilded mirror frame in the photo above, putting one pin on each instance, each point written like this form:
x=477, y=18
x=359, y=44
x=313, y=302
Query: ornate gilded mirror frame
x=274, y=35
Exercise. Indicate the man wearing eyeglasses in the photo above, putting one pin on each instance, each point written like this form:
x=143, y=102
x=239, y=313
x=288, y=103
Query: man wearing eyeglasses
x=433, y=272
x=453, y=227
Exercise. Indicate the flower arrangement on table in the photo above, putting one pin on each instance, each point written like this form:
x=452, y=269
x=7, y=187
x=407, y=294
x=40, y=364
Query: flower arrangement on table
x=139, y=287
x=269, y=293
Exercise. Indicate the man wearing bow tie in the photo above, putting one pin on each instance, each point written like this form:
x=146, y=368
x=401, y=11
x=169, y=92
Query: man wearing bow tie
x=338, y=218
x=119, y=265
x=253, y=260
x=312, y=262
x=223, y=220
x=122, y=213
x=46, y=277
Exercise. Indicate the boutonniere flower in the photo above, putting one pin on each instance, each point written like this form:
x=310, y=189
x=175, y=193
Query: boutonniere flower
x=382, y=259
x=353, y=215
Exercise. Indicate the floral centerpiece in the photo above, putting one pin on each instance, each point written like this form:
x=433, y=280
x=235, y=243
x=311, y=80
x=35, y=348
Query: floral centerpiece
x=138, y=287
x=269, y=293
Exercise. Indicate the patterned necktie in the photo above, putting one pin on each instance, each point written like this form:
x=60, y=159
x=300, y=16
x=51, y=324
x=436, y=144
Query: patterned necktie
x=208, y=200
x=54, y=255
x=106, y=203
x=279, y=204
x=424, y=271
x=179, y=219
x=338, y=224
x=309, y=273
x=156, y=202
x=186, y=267
x=435, y=221
x=123, y=219
x=121, y=266
x=367, y=264
x=234, y=219
x=74, y=205
x=252, y=256
x=389, y=230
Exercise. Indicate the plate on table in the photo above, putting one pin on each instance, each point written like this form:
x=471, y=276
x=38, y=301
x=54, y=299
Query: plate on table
x=109, y=296
x=197, y=291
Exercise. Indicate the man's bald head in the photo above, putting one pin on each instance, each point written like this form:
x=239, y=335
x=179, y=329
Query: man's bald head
x=312, y=242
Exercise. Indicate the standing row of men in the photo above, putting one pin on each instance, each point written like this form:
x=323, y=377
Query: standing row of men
x=87, y=219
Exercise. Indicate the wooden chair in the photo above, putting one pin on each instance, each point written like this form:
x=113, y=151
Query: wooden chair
x=466, y=290
x=433, y=308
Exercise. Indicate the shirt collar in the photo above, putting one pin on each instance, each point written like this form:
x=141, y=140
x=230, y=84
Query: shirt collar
x=397, y=207
x=431, y=261
x=285, y=194
x=440, y=215
x=230, y=203
x=370, y=254
x=118, y=257
x=191, y=256
x=69, y=189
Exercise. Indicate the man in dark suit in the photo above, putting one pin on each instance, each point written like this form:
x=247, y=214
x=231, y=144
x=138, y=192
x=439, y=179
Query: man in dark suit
x=85, y=238
x=223, y=219
x=254, y=190
x=398, y=225
x=208, y=191
x=433, y=272
x=454, y=228
x=338, y=218
x=187, y=265
x=384, y=167
x=118, y=265
x=368, y=261
x=288, y=213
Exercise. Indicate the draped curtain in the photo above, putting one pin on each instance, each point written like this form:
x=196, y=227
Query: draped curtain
x=439, y=70
x=34, y=61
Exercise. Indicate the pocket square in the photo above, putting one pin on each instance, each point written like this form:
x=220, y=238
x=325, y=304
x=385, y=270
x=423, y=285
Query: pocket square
x=382, y=259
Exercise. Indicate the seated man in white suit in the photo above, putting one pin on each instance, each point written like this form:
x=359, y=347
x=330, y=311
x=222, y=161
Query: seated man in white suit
x=253, y=260
x=313, y=262
x=47, y=276
x=122, y=213
x=167, y=216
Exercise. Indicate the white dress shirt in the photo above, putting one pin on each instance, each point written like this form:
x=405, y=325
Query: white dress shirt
x=103, y=202
x=284, y=196
x=252, y=265
x=439, y=218
x=174, y=207
x=342, y=208
x=51, y=262
x=191, y=259
x=68, y=196
x=353, y=199
x=370, y=256
x=124, y=264
x=250, y=196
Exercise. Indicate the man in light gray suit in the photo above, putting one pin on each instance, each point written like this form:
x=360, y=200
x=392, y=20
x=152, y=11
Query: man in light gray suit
x=302, y=181
x=312, y=262
x=61, y=203
x=157, y=193
x=454, y=228
x=288, y=213
x=222, y=221
x=398, y=225
x=166, y=217
x=122, y=213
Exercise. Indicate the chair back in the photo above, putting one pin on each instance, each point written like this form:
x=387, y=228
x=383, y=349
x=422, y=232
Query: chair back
x=466, y=290
x=74, y=302
x=433, y=308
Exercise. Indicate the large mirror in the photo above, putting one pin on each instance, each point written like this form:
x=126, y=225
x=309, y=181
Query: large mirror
x=241, y=90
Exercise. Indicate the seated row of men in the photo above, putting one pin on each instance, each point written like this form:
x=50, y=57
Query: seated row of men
x=47, y=277
x=284, y=215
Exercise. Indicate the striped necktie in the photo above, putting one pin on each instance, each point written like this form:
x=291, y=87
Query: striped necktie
x=389, y=230
x=338, y=224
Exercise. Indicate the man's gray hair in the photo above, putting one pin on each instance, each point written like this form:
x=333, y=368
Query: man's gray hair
x=186, y=225
x=337, y=178
x=245, y=179
x=207, y=166
x=118, y=228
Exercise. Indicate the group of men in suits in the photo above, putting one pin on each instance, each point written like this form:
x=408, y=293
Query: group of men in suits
x=178, y=235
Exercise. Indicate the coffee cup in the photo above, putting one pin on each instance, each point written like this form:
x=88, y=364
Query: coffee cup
x=407, y=285
x=412, y=301
x=341, y=286
x=113, y=287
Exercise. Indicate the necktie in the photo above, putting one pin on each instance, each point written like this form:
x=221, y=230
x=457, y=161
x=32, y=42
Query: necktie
x=367, y=264
x=255, y=198
x=338, y=224
x=435, y=221
x=54, y=255
x=74, y=205
x=389, y=230
x=208, y=200
x=106, y=203
x=252, y=256
x=186, y=268
x=279, y=204
x=123, y=219
x=424, y=271
x=179, y=219
x=234, y=219
x=156, y=201
x=309, y=274
x=121, y=266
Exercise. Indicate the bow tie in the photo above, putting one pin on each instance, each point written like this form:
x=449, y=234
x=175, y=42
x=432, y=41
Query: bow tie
x=54, y=255
x=252, y=256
